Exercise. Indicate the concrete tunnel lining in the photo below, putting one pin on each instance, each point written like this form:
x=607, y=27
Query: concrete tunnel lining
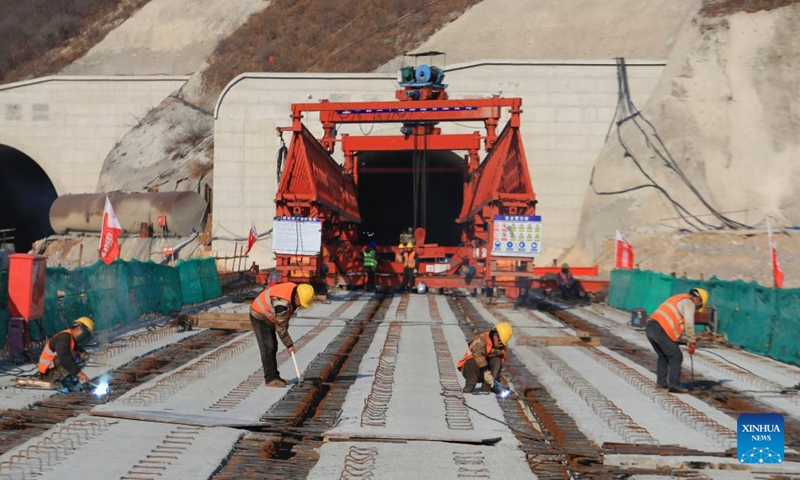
x=385, y=196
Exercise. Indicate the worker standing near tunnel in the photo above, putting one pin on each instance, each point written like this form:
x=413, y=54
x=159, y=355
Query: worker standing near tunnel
x=61, y=355
x=370, y=266
x=410, y=264
x=673, y=318
x=485, y=356
x=269, y=314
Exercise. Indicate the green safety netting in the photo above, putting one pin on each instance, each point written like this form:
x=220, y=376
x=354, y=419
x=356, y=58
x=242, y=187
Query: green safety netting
x=117, y=294
x=760, y=319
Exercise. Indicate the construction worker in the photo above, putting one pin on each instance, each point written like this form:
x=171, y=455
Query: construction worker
x=370, y=266
x=410, y=265
x=61, y=355
x=269, y=314
x=484, y=358
x=674, y=317
x=567, y=284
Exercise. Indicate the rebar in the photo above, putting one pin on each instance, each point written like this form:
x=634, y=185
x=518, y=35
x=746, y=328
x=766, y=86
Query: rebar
x=471, y=465
x=377, y=402
x=684, y=412
x=359, y=463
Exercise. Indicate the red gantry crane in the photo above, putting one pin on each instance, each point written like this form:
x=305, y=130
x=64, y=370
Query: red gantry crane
x=473, y=222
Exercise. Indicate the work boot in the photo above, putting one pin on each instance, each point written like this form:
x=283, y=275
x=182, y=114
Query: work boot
x=277, y=382
x=468, y=388
x=486, y=388
x=678, y=389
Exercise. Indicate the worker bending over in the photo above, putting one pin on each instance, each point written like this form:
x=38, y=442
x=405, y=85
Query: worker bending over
x=484, y=358
x=61, y=355
x=674, y=317
x=269, y=314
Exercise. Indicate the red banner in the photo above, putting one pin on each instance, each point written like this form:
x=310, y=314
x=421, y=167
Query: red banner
x=624, y=253
x=109, y=247
x=777, y=271
x=252, y=237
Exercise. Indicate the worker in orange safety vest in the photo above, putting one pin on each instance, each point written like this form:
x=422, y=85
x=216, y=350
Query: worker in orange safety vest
x=269, y=315
x=60, y=358
x=567, y=284
x=675, y=317
x=410, y=264
x=485, y=356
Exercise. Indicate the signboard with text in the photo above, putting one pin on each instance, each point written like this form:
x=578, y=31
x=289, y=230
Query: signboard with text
x=517, y=236
x=296, y=235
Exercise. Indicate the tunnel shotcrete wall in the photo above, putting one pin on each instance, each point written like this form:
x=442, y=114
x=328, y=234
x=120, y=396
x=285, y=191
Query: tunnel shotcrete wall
x=26, y=194
x=386, y=194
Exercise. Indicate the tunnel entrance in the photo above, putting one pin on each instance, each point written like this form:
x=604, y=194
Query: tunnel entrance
x=26, y=194
x=388, y=184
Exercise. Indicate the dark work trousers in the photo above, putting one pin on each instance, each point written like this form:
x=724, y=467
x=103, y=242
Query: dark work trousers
x=408, y=280
x=668, y=370
x=568, y=291
x=370, y=279
x=267, y=341
x=473, y=374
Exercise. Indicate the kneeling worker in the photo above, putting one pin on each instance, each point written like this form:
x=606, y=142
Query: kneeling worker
x=484, y=358
x=674, y=317
x=269, y=314
x=59, y=359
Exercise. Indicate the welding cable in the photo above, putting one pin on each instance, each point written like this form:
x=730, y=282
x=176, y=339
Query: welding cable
x=734, y=364
x=513, y=430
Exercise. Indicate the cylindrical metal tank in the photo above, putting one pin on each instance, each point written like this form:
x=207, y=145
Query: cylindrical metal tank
x=84, y=212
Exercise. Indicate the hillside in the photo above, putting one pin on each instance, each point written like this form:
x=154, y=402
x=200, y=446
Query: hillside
x=726, y=110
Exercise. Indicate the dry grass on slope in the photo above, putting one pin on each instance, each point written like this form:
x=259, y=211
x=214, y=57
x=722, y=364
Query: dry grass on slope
x=40, y=37
x=715, y=8
x=327, y=36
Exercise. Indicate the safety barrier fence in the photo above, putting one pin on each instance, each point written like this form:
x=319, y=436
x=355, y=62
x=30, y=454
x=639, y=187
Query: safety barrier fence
x=762, y=320
x=117, y=294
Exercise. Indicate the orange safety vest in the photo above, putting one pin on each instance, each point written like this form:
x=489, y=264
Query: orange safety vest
x=468, y=355
x=410, y=259
x=47, y=359
x=263, y=305
x=669, y=317
x=565, y=278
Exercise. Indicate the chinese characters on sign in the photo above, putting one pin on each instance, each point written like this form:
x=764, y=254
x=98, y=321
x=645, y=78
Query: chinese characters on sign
x=517, y=236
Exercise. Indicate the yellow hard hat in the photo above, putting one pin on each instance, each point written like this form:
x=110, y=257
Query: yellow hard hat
x=504, y=331
x=401, y=246
x=305, y=293
x=85, y=322
x=703, y=294
x=565, y=265
x=409, y=245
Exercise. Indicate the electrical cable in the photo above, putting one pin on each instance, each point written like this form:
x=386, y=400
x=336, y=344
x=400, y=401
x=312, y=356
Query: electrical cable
x=626, y=106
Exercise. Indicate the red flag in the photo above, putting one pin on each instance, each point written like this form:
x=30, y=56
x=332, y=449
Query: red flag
x=777, y=271
x=252, y=236
x=624, y=253
x=109, y=248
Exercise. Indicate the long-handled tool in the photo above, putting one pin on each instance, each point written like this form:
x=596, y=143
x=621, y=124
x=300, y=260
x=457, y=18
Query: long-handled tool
x=691, y=357
x=296, y=370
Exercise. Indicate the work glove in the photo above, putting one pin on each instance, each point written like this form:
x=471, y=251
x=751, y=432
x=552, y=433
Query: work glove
x=488, y=379
x=415, y=271
x=83, y=377
x=692, y=348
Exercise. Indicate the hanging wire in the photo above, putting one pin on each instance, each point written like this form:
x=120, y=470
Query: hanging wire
x=629, y=113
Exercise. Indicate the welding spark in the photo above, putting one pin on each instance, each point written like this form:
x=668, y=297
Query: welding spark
x=101, y=388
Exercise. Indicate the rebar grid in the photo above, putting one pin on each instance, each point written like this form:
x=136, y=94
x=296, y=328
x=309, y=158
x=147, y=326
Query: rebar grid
x=162, y=455
x=377, y=402
x=614, y=417
x=684, y=412
x=471, y=465
x=54, y=446
x=171, y=384
x=359, y=463
x=456, y=413
x=113, y=349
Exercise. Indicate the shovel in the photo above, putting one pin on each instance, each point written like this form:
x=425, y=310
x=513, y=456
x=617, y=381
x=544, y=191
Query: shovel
x=296, y=370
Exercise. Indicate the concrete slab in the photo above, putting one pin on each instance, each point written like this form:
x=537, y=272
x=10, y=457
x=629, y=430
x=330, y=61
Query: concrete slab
x=418, y=460
x=129, y=449
x=721, y=465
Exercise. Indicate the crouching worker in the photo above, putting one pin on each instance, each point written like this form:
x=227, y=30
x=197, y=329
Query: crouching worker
x=61, y=356
x=484, y=358
x=269, y=314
